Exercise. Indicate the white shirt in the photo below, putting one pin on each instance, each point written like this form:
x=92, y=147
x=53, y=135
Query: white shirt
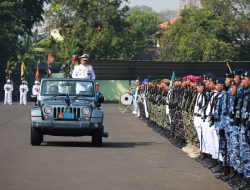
x=8, y=87
x=36, y=89
x=83, y=72
x=199, y=100
x=23, y=89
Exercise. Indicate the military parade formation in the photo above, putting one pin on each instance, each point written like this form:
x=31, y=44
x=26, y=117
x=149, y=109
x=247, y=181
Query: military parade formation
x=209, y=112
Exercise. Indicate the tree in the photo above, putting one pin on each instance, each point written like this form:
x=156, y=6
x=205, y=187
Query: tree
x=95, y=27
x=214, y=32
x=17, y=18
x=105, y=29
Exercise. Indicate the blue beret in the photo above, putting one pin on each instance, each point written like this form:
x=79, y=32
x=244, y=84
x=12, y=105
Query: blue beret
x=145, y=80
x=239, y=71
x=220, y=81
x=212, y=79
x=207, y=76
x=229, y=75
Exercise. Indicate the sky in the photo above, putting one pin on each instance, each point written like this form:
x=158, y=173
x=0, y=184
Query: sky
x=157, y=5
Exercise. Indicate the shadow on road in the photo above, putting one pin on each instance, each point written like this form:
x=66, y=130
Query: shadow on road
x=105, y=144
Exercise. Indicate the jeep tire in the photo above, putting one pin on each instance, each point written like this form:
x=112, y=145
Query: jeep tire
x=97, y=139
x=36, y=137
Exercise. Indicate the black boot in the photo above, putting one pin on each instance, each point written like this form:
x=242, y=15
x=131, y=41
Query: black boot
x=244, y=184
x=211, y=164
x=205, y=161
x=200, y=158
x=224, y=173
x=231, y=174
x=236, y=180
x=217, y=169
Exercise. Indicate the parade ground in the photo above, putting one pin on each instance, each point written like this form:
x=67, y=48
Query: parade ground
x=134, y=157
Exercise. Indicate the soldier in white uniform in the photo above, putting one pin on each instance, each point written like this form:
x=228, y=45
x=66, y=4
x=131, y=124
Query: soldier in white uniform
x=83, y=71
x=36, y=89
x=200, y=101
x=23, y=92
x=8, y=88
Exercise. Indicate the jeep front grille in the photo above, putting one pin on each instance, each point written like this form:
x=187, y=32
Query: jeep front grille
x=76, y=112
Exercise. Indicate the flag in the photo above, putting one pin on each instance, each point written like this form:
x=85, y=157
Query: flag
x=172, y=80
x=23, y=71
x=37, y=73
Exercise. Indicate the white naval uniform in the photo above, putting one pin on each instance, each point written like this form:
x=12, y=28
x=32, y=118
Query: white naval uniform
x=207, y=130
x=135, y=105
x=212, y=138
x=198, y=118
x=36, y=90
x=23, y=93
x=8, y=88
x=83, y=72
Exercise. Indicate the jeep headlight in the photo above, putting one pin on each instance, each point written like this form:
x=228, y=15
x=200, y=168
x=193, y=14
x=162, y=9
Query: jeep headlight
x=48, y=109
x=85, y=111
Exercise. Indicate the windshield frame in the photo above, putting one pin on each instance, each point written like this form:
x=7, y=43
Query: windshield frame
x=44, y=82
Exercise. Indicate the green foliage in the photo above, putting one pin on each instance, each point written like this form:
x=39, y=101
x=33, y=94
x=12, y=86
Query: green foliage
x=105, y=29
x=215, y=32
x=17, y=19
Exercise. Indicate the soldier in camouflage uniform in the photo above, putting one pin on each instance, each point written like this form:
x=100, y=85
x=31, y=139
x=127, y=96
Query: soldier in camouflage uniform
x=68, y=67
x=187, y=106
x=175, y=112
x=245, y=131
x=226, y=151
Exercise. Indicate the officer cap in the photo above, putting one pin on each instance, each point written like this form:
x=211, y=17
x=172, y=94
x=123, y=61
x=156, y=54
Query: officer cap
x=201, y=83
x=233, y=83
x=84, y=57
x=137, y=81
x=220, y=81
x=229, y=75
x=246, y=74
x=239, y=72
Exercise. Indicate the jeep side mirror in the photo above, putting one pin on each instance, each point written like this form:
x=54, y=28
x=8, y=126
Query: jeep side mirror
x=101, y=99
x=33, y=98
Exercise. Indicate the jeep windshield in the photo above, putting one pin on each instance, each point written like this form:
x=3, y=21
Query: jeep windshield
x=67, y=87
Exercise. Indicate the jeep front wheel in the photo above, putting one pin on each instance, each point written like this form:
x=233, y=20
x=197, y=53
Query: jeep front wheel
x=97, y=139
x=36, y=137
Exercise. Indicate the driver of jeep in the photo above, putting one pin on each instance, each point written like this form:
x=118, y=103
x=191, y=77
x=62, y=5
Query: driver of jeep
x=53, y=89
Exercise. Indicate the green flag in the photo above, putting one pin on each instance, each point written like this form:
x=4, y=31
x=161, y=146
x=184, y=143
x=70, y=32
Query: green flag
x=172, y=80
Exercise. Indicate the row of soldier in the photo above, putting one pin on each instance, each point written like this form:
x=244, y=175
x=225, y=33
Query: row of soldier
x=23, y=91
x=211, y=111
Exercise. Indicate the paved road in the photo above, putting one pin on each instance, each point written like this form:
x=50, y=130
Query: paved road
x=133, y=158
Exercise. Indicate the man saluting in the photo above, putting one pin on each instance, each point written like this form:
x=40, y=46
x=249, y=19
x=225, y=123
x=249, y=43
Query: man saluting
x=84, y=70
